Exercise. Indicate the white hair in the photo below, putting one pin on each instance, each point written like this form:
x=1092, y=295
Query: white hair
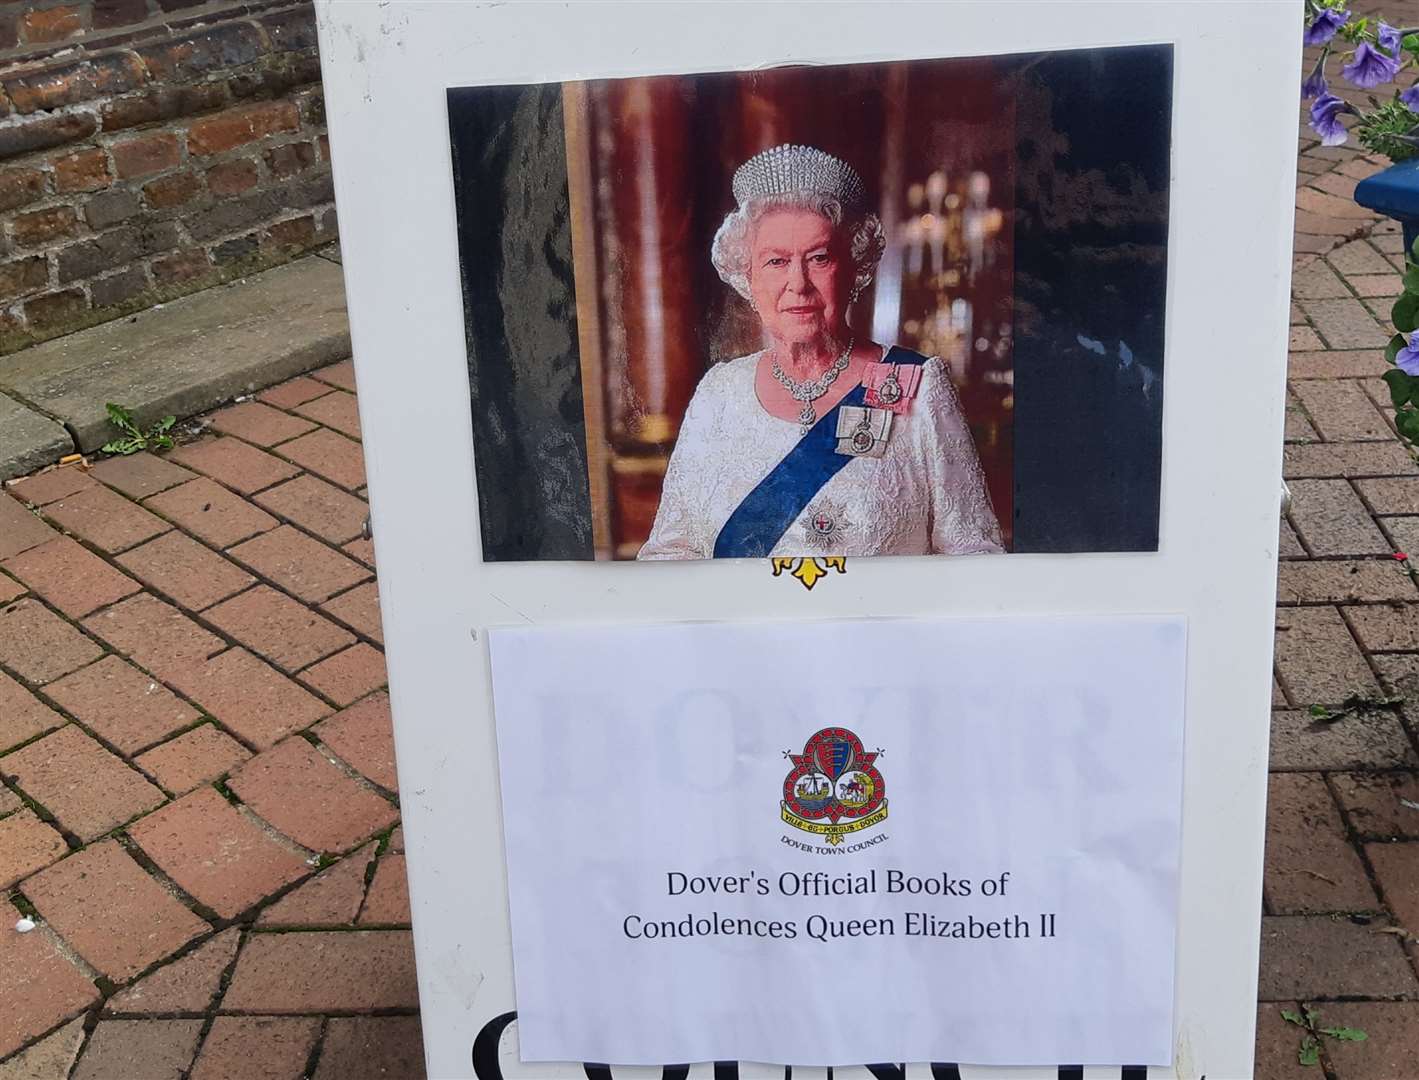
x=730, y=250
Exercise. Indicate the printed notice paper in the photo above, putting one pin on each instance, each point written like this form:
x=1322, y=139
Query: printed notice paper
x=843, y=842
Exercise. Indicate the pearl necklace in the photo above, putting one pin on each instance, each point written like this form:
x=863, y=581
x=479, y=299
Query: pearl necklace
x=810, y=391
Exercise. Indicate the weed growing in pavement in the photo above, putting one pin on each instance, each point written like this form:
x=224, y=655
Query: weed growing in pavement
x=135, y=438
x=1354, y=703
x=1308, y=1020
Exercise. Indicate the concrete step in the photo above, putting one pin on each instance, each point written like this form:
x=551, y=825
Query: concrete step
x=28, y=440
x=179, y=359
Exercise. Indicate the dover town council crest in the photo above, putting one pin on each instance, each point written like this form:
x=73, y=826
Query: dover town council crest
x=834, y=787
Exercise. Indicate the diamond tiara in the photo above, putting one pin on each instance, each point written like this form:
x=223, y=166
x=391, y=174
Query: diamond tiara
x=783, y=170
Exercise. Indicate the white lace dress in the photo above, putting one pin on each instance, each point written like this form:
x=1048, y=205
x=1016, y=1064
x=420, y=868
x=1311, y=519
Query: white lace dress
x=925, y=495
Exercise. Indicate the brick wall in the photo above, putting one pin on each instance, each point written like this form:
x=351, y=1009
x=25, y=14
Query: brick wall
x=150, y=148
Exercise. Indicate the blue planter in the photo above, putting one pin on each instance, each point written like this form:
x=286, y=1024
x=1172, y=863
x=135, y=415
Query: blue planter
x=1395, y=193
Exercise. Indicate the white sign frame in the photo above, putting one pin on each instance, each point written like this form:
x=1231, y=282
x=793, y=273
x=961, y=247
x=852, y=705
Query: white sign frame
x=386, y=68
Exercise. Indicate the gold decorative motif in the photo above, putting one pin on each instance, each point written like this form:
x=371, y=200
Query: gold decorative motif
x=809, y=570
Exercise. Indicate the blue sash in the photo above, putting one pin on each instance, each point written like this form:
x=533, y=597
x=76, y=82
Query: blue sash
x=759, y=522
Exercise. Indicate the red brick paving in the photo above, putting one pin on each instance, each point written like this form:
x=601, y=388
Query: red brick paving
x=299, y=564
x=330, y=455
x=22, y=715
x=1343, y=820
x=249, y=697
x=238, y=465
x=105, y=519
x=347, y=676
x=40, y=987
x=1310, y=865
x=185, y=985
x=10, y=589
x=332, y=898
x=367, y=1047
x=388, y=901
x=194, y=757
x=329, y=512
x=279, y=628
x=38, y=645
x=27, y=844
x=151, y=1049
x=203, y=637
x=258, y=423
x=362, y=736
x=111, y=912
x=122, y=705
x=311, y=800
x=257, y=1046
x=140, y=475
x=185, y=571
x=70, y=577
x=294, y=392
x=222, y=858
x=212, y=513
x=323, y=971
x=336, y=410
x=359, y=609
x=20, y=530
x=87, y=788
x=154, y=634
x=47, y=487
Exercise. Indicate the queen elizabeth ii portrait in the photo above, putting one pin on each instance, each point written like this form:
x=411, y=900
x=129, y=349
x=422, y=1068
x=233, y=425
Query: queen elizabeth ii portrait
x=823, y=441
x=905, y=307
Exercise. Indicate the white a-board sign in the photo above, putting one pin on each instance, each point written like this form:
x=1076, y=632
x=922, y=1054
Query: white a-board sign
x=824, y=469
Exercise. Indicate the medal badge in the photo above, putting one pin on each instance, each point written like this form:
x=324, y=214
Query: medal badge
x=891, y=386
x=863, y=432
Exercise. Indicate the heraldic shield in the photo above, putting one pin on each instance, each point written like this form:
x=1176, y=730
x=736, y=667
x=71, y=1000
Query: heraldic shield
x=834, y=787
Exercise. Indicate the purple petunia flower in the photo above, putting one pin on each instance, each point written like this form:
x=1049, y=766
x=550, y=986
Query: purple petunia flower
x=1370, y=67
x=1407, y=359
x=1410, y=97
x=1388, y=38
x=1325, y=25
x=1314, y=84
x=1325, y=119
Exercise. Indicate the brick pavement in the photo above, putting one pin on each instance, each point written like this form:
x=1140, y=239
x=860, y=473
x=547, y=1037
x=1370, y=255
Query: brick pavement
x=1341, y=889
x=198, y=803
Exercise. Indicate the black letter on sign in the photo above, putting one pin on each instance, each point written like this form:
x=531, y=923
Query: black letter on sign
x=887, y=1072
x=949, y=1071
x=485, y=1047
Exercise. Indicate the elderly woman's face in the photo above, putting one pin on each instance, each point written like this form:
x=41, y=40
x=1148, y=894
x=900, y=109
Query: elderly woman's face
x=799, y=276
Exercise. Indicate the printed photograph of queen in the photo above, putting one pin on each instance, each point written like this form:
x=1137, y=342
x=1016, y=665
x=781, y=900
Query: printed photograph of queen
x=821, y=441
x=898, y=308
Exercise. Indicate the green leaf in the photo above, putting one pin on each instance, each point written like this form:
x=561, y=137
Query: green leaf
x=165, y=424
x=1411, y=279
x=1405, y=313
x=1345, y=1034
x=1401, y=386
x=1286, y=1014
x=162, y=442
x=122, y=446
x=1407, y=421
x=1309, y=1052
x=1396, y=343
x=121, y=418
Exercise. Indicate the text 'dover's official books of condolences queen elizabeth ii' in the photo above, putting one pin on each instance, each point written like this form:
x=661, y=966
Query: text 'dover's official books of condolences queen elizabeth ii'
x=843, y=841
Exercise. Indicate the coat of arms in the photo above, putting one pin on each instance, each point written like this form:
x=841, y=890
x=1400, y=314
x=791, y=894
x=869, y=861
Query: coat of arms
x=834, y=787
